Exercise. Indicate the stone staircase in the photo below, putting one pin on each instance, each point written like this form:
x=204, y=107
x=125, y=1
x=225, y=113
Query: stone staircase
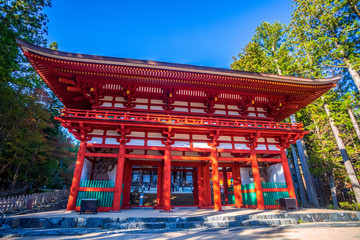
x=175, y=223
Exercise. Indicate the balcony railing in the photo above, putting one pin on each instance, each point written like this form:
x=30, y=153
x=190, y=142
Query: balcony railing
x=179, y=120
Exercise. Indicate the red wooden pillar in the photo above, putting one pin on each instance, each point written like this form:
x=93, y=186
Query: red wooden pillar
x=195, y=186
x=207, y=186
x=215, y=179
x=159, y=186
x=225, y=183
x=119, y=177
x=257, y=181
x=127, y=185
x=287, y=173
x=77, y=176
x=237, y=186
x=167, y=179
x=201, y=186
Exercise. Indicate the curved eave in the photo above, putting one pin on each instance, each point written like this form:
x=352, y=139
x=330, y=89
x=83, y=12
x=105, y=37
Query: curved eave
x=26, y=47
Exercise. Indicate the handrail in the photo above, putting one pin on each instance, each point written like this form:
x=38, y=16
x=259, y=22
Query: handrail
x=178, y=119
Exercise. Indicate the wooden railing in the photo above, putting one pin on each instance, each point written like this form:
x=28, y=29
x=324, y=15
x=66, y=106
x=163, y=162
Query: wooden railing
x=27, y=202
x=179, y=120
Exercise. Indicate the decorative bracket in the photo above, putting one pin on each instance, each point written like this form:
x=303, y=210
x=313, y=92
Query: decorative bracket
x=168, y=134
x=122, y=131
x=80, y=132
x=244, y=104
x=214, y=137
x=210, y=102
x=168, y=99
x=286, y=140
x=253, y=140
x=129, y=96
x=274, y=106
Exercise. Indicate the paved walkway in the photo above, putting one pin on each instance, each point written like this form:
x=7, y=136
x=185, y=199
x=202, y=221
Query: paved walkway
x=179, y=212
x=318, y=233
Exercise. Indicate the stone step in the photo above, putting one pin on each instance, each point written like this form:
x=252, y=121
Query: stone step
x=268, y=222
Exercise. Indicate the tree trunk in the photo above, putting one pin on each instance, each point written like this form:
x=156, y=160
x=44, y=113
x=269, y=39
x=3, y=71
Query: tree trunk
x=333, y=189
x=299, y=178
x=309, y=181
x=355, y=76
x=348, y=165
x=354, y=122
x=321, y=191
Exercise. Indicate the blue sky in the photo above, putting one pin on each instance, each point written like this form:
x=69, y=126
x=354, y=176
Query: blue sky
x=206, y=33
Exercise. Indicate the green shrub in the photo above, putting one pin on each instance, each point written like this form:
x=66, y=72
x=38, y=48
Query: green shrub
x=349, y=206
x=330, y=206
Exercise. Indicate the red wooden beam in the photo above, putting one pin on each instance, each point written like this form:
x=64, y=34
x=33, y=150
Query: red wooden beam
x=67, y=81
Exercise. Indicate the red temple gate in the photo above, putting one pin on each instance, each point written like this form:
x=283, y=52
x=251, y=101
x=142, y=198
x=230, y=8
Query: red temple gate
x=132, y=115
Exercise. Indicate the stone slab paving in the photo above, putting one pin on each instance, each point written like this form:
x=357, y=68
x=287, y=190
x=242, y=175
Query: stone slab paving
x=316, y=232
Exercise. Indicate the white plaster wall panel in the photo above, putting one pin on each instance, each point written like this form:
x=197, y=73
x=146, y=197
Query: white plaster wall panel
x=261, y=140
x=176, y=153
x=141, y=106
x=119, y=105
x=233, y=113
x=273, y=148
x=138, y=151
x=106, y=104
x=245, y=175
x=226, y=155
x=141, y=100
x=178, y=109
x=276, y=173
x=86, y=171
x=199, y=137
x=181, y=144
x=136, y=142
x=224, y=138
x=241, y=146
x=181, y=136
x=194, y=104
x=220, y=106
x=240, y=139
x=179, y=103
x=155, y=143
x=252, y=114
x=271, y=140
x=137, y=134
x=152, y=107
x=262, y=115
x=112, y=133
x=156, y=101
x=260, y=109
x=112, y=174
x=261, y=147
x=197, y=110
x=155, y=135
x=111, y=141
x=154, y=152
x=191, y=154
x=97, y=132
x=219, y=112
x=225, y=146
x=200, y=145
x=251, y=109
x=107, y=98
x=119, y=99
x=232, y=107
x=96, y=140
